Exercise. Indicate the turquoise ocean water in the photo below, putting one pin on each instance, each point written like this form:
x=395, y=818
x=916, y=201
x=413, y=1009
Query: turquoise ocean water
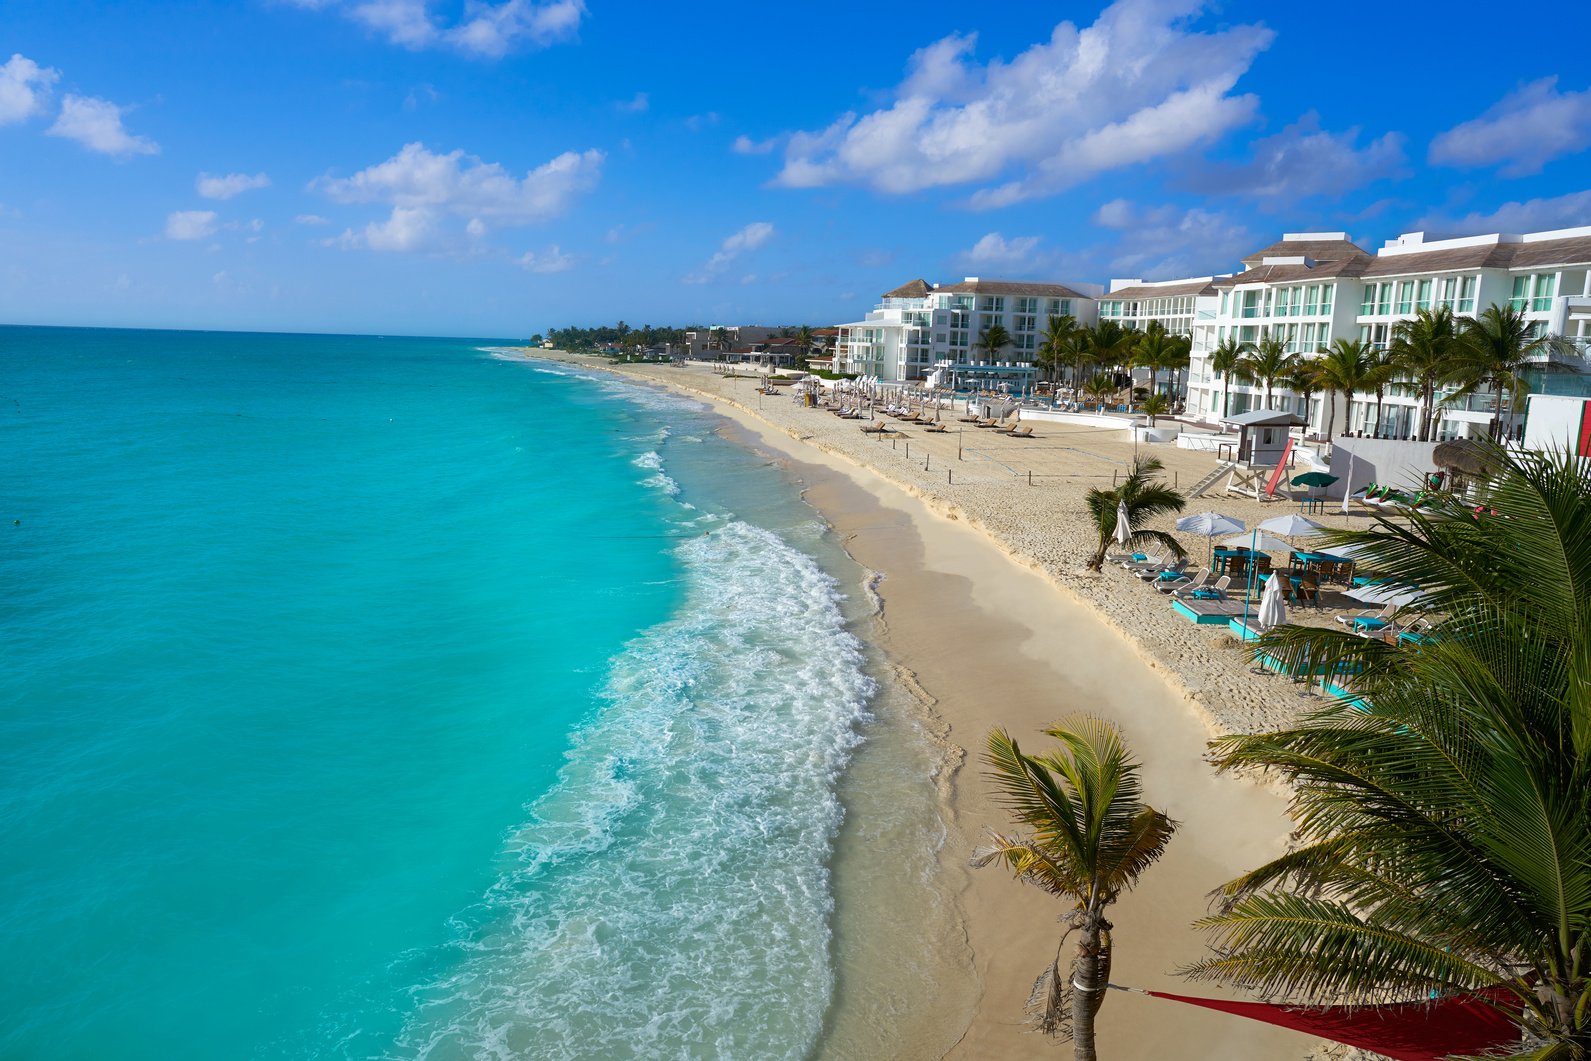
x=401, y=698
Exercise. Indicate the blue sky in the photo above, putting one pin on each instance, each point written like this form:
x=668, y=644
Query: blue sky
x=497, y=167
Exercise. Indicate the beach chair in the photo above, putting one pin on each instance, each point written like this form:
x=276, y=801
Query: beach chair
x=1173, y=567
x=936, y=429
x=1148, y=563
x=1308, y=589
x=1368, y=623
x=1021, y=432
x=1183, y=581
x=1215, y=592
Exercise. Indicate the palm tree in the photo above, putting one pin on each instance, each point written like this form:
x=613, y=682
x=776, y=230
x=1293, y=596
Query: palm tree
x=1343, y=367
x=1268, y=363
x=1445, y=817
x=1146, y=498
x=1111, y=345
x=993, y=339
x=1057, y=343
x=1492, y=349
x=804, y=344
x=1226, y=359
x=1155, y=349
x=1304, y=381
x=1383, y=370
x=1092, y=838
x=1424, y=350
x=1101, y=387
x=1155, y=405
x=1178, y=358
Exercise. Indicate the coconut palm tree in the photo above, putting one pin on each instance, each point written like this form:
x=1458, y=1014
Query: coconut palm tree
x=1154, y=351
x=1383, y=370
x=1110, y=345
x=1304, y=381
x=1091, y=838
x=1444, y=814
x=1343, y=367
x=1268, y=363
x=804, y=344
x=1155, y=405
x=1225, y=360
x=1147, y=497
x=1424, y=349
x=1057, y=343
x=1178, y=358
x=1101, y=387
x=992, y=340
x=1492, y=350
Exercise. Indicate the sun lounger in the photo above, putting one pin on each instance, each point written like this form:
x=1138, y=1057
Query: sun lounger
x=1215, y=592
x=1183, y=581
x=1021, y=432
x=1369, y=621
x=937, y=429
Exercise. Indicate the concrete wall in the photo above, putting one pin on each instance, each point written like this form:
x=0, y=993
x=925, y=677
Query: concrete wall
x=1379, y=460
x=1553, y=422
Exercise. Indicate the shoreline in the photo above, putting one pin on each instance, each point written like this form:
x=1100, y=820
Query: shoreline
x=966, y=623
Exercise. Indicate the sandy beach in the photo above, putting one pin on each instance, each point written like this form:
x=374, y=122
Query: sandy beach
x=988, y=612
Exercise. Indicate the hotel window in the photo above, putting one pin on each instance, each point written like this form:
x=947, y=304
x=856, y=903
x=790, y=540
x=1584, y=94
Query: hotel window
x=1368, y=306
x=1545, y=283
x=1027, y=305
x=1251, y=304
x=1325, y=299
x=1224, y=297
x=1311, y=300
x=1292, y=338
x=1466, y=295
x=1270, y=298
x=992, y=304
x=1248, y=334
x=1298, y=302
x=1384, y=299
x=1405, y=297
x=1449, y=290
x=1520, y=295
x=939, y=339
x=1025, y=324
x=1422, y=299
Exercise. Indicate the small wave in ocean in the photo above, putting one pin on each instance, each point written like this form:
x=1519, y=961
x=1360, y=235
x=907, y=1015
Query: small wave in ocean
x=670, y=895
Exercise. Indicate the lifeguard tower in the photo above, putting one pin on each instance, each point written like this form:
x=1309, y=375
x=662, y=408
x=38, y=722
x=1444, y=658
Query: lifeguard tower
x=1264, y=443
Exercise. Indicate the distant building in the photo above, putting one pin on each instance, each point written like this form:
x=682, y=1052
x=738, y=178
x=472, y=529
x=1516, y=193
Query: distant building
x=919, y=328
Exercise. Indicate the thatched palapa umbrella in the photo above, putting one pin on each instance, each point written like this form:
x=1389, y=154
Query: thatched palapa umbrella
x=1463, y=455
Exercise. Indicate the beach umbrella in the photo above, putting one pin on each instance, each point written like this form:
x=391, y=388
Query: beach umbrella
x=1273, y=604
x=1208, y=525
x=1291, y=526
x=1313, y=479
x=1123, y=524
x=1260, y=543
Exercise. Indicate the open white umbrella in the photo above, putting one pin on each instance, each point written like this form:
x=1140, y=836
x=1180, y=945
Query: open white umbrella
x=1209, y=525
x=1291, y=526
x=1273, y=604
x=1259, y=542
x=1123, y=524
x=1379, y=594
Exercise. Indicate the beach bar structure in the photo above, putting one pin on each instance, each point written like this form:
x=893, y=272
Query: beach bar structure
x=1262, y=435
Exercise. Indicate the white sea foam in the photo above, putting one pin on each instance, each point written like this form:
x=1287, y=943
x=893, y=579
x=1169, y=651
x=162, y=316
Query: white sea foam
x=670, y=897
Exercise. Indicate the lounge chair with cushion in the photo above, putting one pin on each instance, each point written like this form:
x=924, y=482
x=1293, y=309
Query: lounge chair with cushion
x=1368, y=622
x=1215, y=592
x=1021, y=432
x=1182, y=581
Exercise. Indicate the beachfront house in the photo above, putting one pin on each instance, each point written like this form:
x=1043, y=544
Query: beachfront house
x=919, y=328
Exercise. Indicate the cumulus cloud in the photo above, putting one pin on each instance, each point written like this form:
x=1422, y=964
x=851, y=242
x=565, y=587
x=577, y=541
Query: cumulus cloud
x=1522, y=132
x=1016, y=255
x=24, y=86
x=212, y=187
x=551, y=260
x=1165, y=242
x=1138, y=84
x=746, y=239
x=745, y=145
x=311, y=219
x=97, y=125
x=190, y=224
x=1304, y=160
x=1531, y=215
x=424, y=188
x=640, y=103
x=485, y=30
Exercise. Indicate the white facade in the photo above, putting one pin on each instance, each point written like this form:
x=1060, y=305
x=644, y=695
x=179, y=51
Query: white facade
x=1315, y=287
x=919, y=327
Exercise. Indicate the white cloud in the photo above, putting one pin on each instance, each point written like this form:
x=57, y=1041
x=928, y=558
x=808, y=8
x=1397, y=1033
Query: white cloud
x=1165, y=242
x=97, y=125
x=424, y=188
x=697, y=122
x=226, y=187
x=746, y=239
x=1303, y=161
x=551, y=260
x=486, y=30
x=994, y=251
x=24, y=85
x=745, y=145
x=191, y=224
x=1138, y=84
x=1532, y=215
x=311, y=219
x=1522, y=132
x=639, y=104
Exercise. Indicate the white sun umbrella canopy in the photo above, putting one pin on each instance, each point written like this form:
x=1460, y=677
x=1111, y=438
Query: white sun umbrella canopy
x=1291, y=526
x=1259, y=542
x=1209, y=525
x=1123, y=524
x=1273, y=604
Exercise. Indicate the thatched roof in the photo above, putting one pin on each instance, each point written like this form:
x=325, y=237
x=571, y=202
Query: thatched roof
x=1464, y=455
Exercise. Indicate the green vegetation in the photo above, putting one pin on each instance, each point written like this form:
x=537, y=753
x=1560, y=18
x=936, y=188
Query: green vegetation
x=1091, y=839
x=1146, y=497
x=1444, y=816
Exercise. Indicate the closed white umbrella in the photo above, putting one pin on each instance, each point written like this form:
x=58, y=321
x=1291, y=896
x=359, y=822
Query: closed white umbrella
x=1273, y=604
x=1209, y=524
x=1291, y=526
x=1123, y=524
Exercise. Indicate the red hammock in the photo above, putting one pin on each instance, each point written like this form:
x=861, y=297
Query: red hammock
x=1407, y=1031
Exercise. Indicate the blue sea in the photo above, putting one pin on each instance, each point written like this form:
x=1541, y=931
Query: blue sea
x=408, y=698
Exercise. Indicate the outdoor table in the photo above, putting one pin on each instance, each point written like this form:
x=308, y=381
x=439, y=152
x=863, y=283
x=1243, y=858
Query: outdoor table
x=1296, y=580
x=1311, y=504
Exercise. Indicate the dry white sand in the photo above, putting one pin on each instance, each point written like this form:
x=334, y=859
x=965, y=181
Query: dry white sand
x=989, y=610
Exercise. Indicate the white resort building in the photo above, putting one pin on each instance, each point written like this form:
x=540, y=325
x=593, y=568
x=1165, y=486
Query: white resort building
x=919, y=328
